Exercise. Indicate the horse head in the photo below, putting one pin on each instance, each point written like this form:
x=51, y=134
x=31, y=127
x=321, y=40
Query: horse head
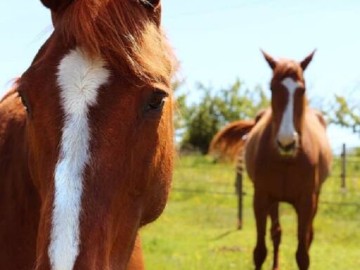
x=288, y=101
x=99, y=130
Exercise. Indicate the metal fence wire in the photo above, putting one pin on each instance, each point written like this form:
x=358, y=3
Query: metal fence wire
x=343, y=164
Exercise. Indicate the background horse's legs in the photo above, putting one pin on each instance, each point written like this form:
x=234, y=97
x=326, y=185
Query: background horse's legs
x=305, y=209
x=261, y=207
x=275, y=232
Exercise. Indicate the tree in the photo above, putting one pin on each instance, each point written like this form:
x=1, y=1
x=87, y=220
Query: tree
x=344, y=113
x=200, y=121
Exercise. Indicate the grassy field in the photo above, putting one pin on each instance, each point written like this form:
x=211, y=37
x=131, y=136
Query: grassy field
x=198, y=229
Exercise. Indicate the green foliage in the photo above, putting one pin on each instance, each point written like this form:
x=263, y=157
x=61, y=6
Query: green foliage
x=345, y=113
x=180, y=105
x=200, y=121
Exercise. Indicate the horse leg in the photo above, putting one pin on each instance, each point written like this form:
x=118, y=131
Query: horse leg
x=315, y=207
x=306, y=209
x=275, y=232
x=261, y=206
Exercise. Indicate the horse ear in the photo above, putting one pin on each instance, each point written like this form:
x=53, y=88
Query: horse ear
x=56, y=5
x=304, y=63
x=271, y=61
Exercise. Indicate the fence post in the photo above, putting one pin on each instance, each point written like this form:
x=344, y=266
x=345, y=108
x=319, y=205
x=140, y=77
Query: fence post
x=343, y=167
x=239, y=192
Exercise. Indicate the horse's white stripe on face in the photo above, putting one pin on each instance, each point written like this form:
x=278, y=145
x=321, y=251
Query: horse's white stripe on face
x=287, y=133
x=79, y=79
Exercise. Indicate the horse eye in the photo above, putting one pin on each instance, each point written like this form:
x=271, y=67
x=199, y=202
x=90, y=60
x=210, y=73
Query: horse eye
x=157, y=101
x=150, y=4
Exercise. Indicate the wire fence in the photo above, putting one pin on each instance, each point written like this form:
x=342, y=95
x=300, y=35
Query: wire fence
x=224, y=193
x=346, y=166
x=345, y=173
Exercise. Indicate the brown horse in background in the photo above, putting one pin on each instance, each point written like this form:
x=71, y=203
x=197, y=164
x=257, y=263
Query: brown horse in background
x=86, y=140
x=287, y=157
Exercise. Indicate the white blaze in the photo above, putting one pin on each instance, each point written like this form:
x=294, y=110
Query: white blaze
x=287, y=133
x=79, y=79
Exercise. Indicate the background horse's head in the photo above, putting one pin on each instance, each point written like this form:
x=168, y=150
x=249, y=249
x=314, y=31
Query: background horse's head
x=288, y=102
x=99, y=130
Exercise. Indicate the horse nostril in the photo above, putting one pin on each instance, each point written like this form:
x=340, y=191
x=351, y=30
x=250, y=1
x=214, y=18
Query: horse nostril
x=287, y=147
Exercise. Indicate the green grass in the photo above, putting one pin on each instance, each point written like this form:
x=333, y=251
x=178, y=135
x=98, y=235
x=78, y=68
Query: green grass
x=197, y=231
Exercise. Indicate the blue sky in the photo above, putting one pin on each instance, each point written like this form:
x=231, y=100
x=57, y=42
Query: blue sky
x=219, y=41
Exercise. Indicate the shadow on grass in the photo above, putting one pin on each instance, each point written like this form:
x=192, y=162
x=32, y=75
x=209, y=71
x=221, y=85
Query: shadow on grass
x=224, y=235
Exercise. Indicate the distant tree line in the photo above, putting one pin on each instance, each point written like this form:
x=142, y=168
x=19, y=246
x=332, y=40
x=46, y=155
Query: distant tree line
x=196, y=123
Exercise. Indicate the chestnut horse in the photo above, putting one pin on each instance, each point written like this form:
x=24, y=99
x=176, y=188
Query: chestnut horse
x=287, y=157
x=86, y=139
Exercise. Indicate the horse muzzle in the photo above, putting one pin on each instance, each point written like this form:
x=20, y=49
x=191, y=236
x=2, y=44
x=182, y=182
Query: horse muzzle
x=288, y=148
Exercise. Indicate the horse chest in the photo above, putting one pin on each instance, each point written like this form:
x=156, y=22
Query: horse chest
x=284, y=180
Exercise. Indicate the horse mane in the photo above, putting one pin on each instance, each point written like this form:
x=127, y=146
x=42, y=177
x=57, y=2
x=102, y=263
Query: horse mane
x=229, y=141
x=124, y=34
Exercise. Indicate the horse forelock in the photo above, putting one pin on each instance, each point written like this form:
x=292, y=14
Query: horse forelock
x=124, y=33
x=287, y=68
